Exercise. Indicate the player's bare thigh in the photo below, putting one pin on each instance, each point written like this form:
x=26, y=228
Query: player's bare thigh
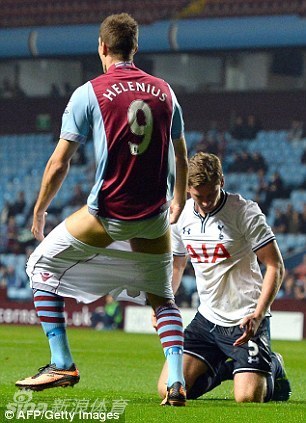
x=160, y=245
x=250, y=387
x=87, y=228
x=193, y=368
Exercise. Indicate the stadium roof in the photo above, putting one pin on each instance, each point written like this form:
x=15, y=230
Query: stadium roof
x=165, y=36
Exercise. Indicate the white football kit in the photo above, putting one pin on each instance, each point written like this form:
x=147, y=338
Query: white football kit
x=222, y=248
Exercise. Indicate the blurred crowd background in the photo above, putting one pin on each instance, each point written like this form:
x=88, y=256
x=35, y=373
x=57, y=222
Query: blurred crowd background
x=245, y=103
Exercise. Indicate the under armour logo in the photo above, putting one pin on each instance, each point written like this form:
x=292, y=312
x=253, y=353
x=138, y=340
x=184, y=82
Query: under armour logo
x=221, y=227
x=253, y=360
x=186, y=231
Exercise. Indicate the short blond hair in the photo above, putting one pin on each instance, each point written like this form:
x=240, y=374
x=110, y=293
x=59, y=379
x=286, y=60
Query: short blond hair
x=204, y=168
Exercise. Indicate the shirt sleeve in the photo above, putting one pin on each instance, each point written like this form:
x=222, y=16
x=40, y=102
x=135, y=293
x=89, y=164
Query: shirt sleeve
x=177, y=128
x=178, y=247
x=256, y=229
x=76, y=117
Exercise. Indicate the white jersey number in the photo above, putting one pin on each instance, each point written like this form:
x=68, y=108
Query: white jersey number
x=253, y=348
x=140, y=130
x=253, y=351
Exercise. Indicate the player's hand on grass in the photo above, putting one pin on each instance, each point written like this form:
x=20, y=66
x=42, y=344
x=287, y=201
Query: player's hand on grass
x=250, y=324
x=39, y=221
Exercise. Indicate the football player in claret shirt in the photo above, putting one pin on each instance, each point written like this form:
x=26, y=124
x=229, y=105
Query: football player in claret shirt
x=139, y=189
x=225, y=236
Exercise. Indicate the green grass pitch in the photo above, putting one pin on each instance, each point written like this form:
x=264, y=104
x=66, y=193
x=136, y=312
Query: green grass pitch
x=116, y=366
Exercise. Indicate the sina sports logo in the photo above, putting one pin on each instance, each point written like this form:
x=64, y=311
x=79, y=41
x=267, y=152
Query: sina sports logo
x=186, y=231
x=221, y=227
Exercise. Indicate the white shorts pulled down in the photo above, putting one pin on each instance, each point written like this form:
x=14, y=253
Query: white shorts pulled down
x=65, y=266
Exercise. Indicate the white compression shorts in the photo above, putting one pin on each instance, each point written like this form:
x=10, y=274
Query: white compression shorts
x=65, y=266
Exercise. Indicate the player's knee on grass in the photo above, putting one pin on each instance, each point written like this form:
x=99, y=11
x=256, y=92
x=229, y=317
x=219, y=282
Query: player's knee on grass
x=199, y=387
x=250, y=396
x=195, y=391
x=250, y=387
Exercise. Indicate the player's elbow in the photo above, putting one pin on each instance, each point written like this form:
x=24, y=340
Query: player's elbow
x=280, y=272
x=277, y=269
x=58, y=168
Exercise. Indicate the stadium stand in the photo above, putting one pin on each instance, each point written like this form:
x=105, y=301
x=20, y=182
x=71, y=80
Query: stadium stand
x=234, y=8
x=19, y=152
x=16, y=13
x=22, y=13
